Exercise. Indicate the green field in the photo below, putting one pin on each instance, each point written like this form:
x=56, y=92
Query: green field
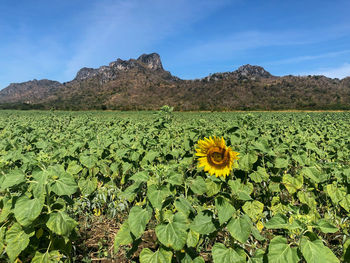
x=78, y=186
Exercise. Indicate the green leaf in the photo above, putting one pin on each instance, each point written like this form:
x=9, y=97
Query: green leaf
x=345, y=202
x=160, y=256
x=240, y=228
x=64, y=185
x=293, y=183
x=48, y=257
x=150, y=156
x=335, y=193
x=212, y=187
x=197, y=185
x=87, y=186
x=123, y=237
x=314, y=174
x=12, y=178
x=187, y=259
x=315, y=251
x=258, y=257
x=138, y=219
x=307, y=198
x=140, y=176
x=242, y=191
x=184, y=206
x=60, y=223
x=27, y=210
x=326, y=227
x=281, y=163
x=74, y=168
x=246, y=162
x=17, y=240
x=203, y=223
x=225, y=209
x=157, y=196
x=253, y=209
x=88, y=161
x=2, y=239
x=192, y=238
x=174, y=233
x=6, y=209
x=175, y=178
x=281, y=252
x=276, y=222
x=260, y=175
x=221, y=254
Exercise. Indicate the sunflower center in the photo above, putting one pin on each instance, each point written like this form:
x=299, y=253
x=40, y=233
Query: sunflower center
x=218, y=156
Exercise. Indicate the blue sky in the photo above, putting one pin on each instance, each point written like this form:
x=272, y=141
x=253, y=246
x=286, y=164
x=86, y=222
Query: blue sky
x=54, y=39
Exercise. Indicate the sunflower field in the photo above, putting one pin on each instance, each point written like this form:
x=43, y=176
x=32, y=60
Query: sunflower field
x=165, y=186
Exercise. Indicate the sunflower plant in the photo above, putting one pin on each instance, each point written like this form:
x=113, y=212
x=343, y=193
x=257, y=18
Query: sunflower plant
x=190, y=210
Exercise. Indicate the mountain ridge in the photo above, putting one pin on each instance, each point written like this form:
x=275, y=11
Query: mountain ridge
x=144, y=84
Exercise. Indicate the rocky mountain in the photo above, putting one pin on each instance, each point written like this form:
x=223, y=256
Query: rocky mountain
x=143, y=83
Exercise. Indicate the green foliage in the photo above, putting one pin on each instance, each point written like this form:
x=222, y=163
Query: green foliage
x=287, y=199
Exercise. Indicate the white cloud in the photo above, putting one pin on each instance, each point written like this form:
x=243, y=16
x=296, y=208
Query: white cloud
x=337, y=72
x=308, y=58
x=127, y=28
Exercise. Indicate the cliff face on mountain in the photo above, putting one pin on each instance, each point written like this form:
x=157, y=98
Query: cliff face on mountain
x=144, y=84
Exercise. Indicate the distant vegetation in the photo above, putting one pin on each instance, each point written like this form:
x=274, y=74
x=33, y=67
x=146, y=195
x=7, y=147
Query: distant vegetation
x=143, y=84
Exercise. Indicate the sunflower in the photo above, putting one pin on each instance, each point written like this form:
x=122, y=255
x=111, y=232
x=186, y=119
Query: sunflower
x=215, y=156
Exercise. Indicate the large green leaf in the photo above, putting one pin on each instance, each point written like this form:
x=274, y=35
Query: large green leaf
x=64, y=185
x=88, y=160
x=212, y=187
x=281, y=252
x=240, y=228
x=281, y=163
x=2, y=238
x=184, y=206
x=203, y=223
x=278, y=221
x=197, y=185
x=12, y=178
x=192, y=238
x=345, y=202
x=260, y=175
x=123, y=237
x=174, y=233
x=17, y=240
x=336, y=193
x=293, y=183
x=326, y=227
x=242, y=191
x=314, y=174
x=87, y=186
x=315, y=251
x=157, y=195
x=253, y=209
x=47, y=257
x=160, y=256
x=246, y=162
x=138, y=219
x=27, y=210
x=6, y=209
x=60, y=223
x=222, y=254
x=225, y=209
x=74, y=168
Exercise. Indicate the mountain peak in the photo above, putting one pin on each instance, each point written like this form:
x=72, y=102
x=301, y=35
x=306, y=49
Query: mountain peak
x=151, y=60
x=252, y=71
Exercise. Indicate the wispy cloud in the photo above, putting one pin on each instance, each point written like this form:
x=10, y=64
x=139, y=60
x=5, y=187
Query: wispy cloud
x=339, y=72
x=128, y=28
x=308, y=58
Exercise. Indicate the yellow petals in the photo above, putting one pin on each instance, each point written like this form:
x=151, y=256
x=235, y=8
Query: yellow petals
x=215, y=156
